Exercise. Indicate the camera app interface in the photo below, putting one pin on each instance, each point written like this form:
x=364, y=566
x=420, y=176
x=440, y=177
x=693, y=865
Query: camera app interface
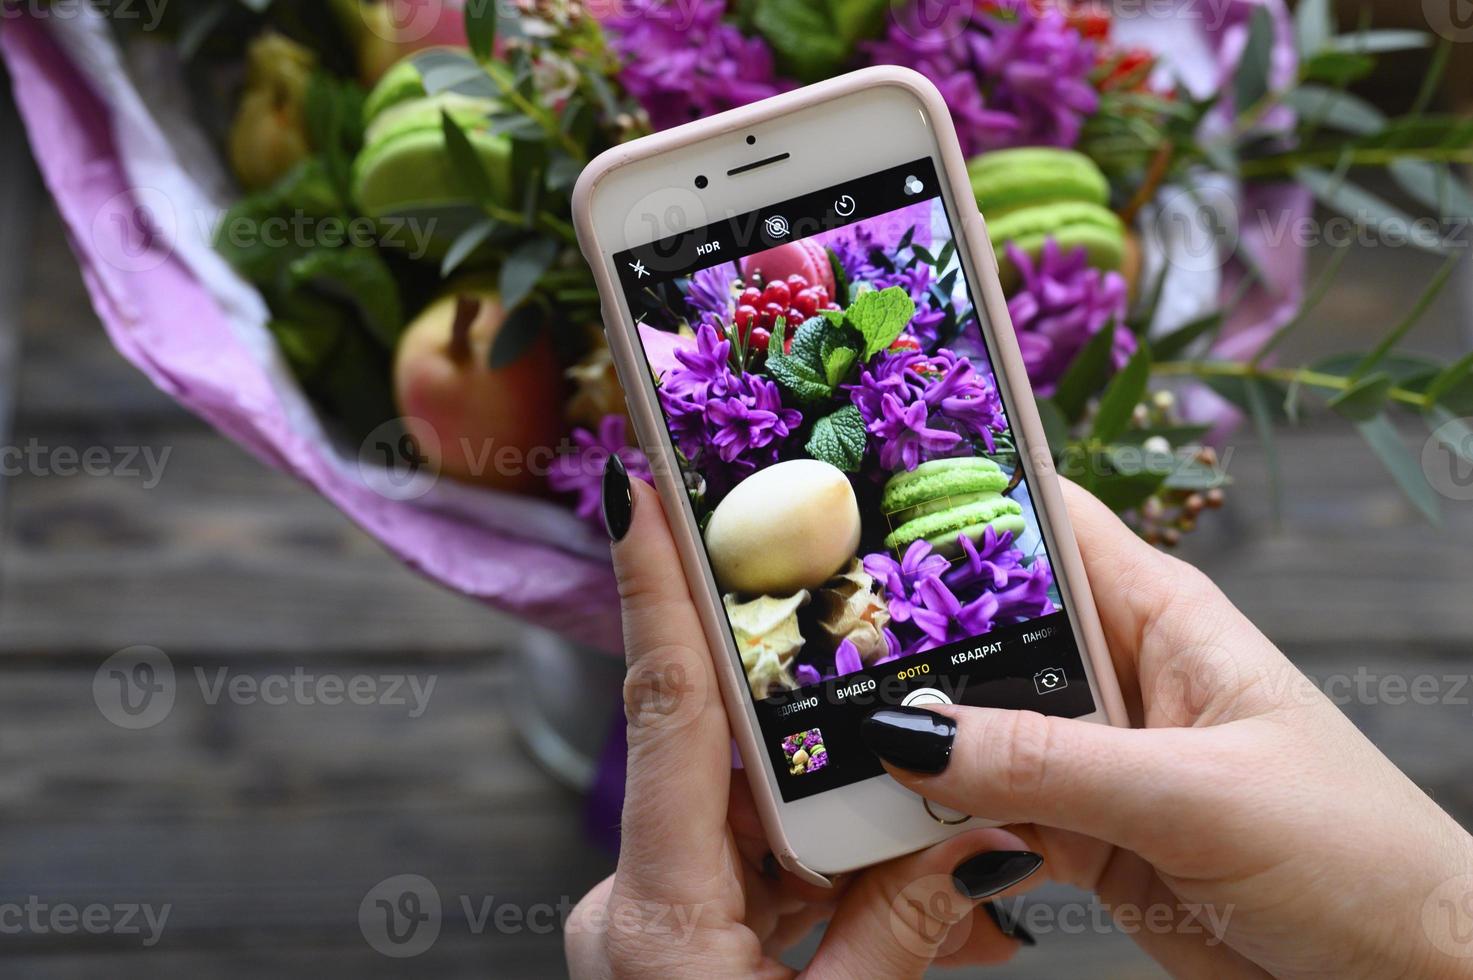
x=846, y=452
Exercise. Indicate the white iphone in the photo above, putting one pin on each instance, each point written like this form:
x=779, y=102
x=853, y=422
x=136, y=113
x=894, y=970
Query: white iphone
x=807, y=319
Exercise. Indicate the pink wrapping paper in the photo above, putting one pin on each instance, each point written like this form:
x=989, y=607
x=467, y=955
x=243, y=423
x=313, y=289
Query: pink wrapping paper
x=165, y=323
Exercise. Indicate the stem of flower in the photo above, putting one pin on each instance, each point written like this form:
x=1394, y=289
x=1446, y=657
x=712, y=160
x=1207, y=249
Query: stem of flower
x=1302, y=376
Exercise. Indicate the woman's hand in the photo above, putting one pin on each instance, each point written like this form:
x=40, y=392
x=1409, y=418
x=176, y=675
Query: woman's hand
x=696, y=891
x=1248, y=799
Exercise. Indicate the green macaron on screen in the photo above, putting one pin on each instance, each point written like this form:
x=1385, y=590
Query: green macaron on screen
x=830, y=397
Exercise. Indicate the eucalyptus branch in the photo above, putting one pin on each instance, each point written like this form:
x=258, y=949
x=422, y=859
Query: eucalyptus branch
x=1284, y=165
x=1299, y=376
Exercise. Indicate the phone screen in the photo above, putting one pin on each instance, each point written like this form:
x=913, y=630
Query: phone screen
x=829, y=393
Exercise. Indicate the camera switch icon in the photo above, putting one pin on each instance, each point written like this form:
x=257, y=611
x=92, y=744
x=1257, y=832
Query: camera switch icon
x=1049, y=680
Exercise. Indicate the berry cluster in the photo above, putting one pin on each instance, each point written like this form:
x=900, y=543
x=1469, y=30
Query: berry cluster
x=794, y=299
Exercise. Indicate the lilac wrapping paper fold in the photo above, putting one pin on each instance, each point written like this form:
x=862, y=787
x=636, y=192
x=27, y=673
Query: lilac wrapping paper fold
x=143, y=255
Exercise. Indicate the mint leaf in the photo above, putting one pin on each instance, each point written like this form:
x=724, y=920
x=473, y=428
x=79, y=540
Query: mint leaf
x=800, y=375
x=836, y=366
x=839, y=439
x=880, y=317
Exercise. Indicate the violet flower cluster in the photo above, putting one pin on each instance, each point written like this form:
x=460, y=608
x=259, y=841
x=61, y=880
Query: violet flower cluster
x=1012, y=75
x=682, y=61
x=926, y=406
x=1061, y=304
x=934, y=602
x=728, y=424
x=581, y=471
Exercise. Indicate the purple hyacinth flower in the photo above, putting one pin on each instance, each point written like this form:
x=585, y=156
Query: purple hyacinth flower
x=899, y=578
x=683, y=61
x=1012, y=75
x=581, y=471
x=846, y=659
x=1062, y=303
x=906, y=437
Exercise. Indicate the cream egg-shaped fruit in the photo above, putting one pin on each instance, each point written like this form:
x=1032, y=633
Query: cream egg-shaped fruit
x=790, y=526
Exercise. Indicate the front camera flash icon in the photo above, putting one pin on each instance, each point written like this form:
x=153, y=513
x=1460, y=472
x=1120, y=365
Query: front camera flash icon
x=914, y=185
x=777, y=226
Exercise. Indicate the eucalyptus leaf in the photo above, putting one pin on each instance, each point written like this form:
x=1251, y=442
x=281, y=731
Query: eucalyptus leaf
x=1122, y=396
x=1175, y=343
x=1257, y=399
x=480, y=26
x=524, y=268
x=1365, y=208
x=465, y=245
x=1405, y=468
x=465, y=162
x=1314, y=24
x=1435, y=187
x=1380, y=42
x=1364, y=399
x=1086, y=374
x=1251, y=82
x=1338, y=110
x=522, y=326
x=1450, y=378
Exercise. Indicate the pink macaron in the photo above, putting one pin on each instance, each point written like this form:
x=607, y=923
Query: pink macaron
x=806, y=258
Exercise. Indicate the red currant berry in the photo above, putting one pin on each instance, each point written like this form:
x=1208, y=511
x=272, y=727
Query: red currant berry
x=744, y=316
x=758, y=339
x=806, y=303
x=751, y=296
x=778, y=293
x=797, y=282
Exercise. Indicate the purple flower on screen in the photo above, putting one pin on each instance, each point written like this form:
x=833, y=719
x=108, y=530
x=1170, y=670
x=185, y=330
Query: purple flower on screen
x=1061, y=304
x=683, y=61
x=917, y=408
x=581, y=470
x=727, y=423
x=710, y=296
x=899, y=578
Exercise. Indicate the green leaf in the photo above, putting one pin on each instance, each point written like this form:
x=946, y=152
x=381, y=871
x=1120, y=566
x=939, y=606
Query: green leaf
x=813, y=39
x=522, y=326
x=1314, y=24
x=839, y=439
x=1250, y=84
x=1450, y=378
x=1380, y=42
x=1124, y=393
x=1435, y=187
x=1175, y=343
x=803, y=379
x=837, y=365
x=1365, y=208
x=465, y=245
x=1338, y=67
x=1336, y=109
x=524, y=268
x=841, y=278
x=480, y=27
x=1055, y=426
x=465, y=162
x=1405, y=469
x=1256, y=395
x=880, y=316
x=1364, y=399
x=357, y=278
x=1086, y=375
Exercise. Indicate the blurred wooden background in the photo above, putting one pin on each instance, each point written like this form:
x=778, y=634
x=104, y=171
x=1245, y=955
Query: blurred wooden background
x=265, y=826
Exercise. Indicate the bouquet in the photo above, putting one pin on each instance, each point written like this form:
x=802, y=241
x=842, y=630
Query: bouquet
x=402, y=217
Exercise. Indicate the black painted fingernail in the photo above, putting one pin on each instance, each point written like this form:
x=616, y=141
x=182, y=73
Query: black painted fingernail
x=770, y=867
x=1007, y=925
x=993, y=871
x=911, y=738
x=618, y=503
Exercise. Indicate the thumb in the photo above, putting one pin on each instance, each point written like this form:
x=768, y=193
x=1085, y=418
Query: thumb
x=1137, y=789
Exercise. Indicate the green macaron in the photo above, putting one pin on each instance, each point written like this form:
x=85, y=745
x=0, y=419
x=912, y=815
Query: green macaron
x=1073, y=224
x=938, y=485
x=943, y=529
x=1008, y=180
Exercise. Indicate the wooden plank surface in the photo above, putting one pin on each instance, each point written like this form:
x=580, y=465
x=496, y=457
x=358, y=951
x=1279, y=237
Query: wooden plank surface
x=265, y=826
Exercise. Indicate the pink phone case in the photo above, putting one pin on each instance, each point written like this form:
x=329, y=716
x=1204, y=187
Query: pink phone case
x=649, y=427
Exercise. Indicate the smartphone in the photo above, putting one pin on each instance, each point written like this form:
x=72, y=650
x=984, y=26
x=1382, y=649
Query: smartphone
x=806, y=315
